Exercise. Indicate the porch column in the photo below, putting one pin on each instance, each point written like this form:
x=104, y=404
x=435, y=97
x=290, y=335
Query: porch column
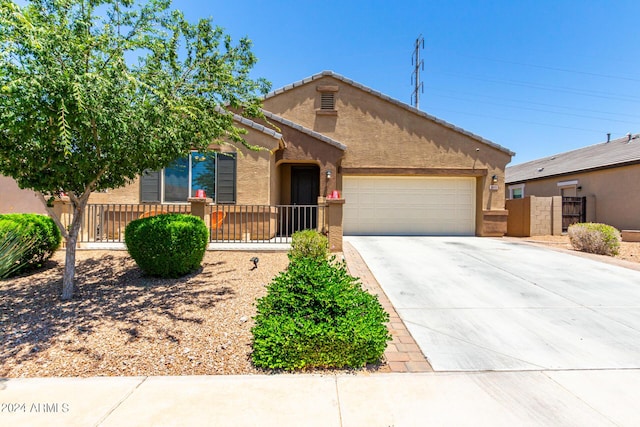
x=334, y=208
x=200, y=208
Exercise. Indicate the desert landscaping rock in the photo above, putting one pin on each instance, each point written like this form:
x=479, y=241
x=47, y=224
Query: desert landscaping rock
x=121, y=322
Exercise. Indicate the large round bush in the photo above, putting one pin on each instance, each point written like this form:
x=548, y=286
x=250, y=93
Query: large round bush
x=169, y=245
x=39, y=235
x=315, y=315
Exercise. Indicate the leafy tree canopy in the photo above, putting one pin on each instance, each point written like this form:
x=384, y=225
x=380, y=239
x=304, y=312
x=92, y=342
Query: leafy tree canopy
x=93, y=92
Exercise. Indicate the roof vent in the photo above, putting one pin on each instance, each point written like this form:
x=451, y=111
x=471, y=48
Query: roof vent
x=540, y=169
x=629, y=137
x=608, y=137
x=327, y=101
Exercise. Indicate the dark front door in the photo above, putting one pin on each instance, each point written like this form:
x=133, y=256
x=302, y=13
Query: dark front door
x=305, y=189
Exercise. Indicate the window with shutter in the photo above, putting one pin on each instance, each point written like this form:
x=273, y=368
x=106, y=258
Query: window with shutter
x=226, y=178
x=215, y=173
x=150, y=186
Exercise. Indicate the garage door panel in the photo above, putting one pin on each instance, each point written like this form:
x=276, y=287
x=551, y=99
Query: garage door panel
x=409, y=205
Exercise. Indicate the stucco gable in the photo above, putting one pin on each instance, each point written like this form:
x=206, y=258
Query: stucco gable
x=387, y=99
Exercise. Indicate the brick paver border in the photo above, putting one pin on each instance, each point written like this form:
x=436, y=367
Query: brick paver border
x=402, y=353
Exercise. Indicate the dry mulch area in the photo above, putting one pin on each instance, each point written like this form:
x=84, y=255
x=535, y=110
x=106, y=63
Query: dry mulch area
x=629, y=251
x=123, y=323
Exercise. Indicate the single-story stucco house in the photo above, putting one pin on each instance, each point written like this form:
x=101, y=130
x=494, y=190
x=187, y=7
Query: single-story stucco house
x=605, y=176
x=398, y=169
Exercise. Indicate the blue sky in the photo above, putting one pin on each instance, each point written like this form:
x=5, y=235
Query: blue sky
x=538, y=77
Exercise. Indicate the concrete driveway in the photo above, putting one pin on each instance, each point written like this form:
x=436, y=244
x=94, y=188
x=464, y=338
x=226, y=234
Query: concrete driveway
x=477, y=304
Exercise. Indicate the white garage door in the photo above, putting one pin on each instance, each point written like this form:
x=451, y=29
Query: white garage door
x=379, y=205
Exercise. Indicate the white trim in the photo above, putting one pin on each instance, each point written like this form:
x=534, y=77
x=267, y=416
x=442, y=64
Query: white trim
x=516, y=187
x=567, y=183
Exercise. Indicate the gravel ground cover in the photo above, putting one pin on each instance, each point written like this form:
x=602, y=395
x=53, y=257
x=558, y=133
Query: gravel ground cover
x=121, y=322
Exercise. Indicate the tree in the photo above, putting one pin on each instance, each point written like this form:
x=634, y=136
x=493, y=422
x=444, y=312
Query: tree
x=94, y=92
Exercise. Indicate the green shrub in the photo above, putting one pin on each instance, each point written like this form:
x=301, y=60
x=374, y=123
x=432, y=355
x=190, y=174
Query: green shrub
x=40, y=237
x=167, y=245
x=595, y=238
x=309, y=244
x=12, y=248
x=316, y=315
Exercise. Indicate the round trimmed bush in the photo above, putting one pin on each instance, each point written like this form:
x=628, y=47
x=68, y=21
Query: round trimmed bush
x=169, y=245
x=595, y=238
x=39, y=234
x=309, y=244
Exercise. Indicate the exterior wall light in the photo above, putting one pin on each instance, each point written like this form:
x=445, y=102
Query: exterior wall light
x=328, y=173
x=494, y=179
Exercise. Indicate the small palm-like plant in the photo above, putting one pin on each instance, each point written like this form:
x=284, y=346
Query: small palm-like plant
x=12, y=248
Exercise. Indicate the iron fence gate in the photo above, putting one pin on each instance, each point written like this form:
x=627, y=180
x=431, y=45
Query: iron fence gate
x=574, y=210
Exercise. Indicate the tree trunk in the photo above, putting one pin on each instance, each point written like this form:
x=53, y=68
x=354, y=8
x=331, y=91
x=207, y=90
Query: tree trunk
x=72, y=240
x=69, y=266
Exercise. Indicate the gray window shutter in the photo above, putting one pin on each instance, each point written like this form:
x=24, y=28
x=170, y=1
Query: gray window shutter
x=150, y=186
x=226, y=178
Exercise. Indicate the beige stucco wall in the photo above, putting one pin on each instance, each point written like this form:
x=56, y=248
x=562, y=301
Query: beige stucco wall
x=534, y=216
x=612, y=196
x=130, y=193
x=15, y=200
x=255, y=172
x=382, y=135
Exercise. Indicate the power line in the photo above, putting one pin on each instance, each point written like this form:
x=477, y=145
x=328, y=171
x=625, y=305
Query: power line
x=542, y=110
x=588, y=110
x=546, y=67
x=524, y=121
x=574, y=91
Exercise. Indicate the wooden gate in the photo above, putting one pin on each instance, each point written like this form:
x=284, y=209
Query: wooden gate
x=574, y=210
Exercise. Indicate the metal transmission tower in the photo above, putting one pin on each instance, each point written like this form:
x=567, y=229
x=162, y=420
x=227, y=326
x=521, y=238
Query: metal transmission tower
x=415, y=76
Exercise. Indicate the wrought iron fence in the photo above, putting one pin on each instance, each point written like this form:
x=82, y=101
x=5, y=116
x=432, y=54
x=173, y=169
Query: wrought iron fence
x=263, y=223
x=106, y=223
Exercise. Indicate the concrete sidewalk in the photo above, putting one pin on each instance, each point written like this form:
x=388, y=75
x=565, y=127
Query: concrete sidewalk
x=549, y=398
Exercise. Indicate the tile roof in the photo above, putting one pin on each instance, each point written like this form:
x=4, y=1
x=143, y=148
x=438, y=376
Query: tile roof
x=250, y=123
x=257, y=126
x=389, y=99
x=617, y=152
x=305, y=130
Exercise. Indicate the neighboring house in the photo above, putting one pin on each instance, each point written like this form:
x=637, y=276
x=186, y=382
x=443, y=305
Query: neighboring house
x=605, y=174
x=400, y=170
